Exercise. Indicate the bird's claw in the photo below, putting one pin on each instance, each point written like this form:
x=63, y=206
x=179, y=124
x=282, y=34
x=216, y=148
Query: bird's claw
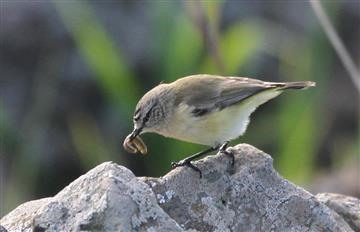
x=178, y=164
x=229, y=154
x=186, y=163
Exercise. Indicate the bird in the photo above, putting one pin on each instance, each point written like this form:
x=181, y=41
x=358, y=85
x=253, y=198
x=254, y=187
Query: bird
x=204, y=109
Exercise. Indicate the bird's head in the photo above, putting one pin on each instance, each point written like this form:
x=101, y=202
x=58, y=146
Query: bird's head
x=150, y=115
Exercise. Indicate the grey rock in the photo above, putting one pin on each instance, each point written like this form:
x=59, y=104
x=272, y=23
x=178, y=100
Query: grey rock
x=2, y=229
x=21, y=217
x=107, y=198
x=345, y=206
x=249, y=196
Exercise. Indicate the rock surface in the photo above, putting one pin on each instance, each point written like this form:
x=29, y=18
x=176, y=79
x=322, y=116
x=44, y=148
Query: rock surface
x=249, y=196
x=345, y=206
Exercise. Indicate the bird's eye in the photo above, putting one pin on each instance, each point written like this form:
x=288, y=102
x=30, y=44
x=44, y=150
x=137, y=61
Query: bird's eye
x=147, y=116
x=136, y=117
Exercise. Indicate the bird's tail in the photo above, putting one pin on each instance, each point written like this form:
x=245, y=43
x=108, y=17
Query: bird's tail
x=295, y=85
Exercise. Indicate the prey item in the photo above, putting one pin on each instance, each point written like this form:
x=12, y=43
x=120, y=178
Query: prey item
x=135, y=145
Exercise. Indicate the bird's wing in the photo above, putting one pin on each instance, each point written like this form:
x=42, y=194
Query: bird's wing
x=210, y=93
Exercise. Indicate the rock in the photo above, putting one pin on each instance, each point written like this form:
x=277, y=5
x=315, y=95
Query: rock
x=347, y=207
x=249, y=196
x=23, y=215
x=107, y=198
x=2, y=229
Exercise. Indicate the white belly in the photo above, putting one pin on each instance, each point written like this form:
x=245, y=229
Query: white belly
x=216, y=127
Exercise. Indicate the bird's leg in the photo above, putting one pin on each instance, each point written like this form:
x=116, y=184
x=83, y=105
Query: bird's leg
x=187, y=160
x=223, y=150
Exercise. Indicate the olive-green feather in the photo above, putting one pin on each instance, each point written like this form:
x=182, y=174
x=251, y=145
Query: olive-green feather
x=206, y=93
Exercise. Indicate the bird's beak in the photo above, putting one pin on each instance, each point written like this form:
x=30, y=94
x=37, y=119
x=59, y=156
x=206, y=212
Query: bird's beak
x=135, y=133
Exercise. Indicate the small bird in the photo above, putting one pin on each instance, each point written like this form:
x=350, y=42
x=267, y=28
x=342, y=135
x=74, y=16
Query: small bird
x=203, y=109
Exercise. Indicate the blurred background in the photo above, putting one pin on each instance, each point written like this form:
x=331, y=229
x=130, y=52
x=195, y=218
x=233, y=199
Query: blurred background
x=72, y=72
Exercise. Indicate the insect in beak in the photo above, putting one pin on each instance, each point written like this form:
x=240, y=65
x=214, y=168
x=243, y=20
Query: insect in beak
x=134, y=144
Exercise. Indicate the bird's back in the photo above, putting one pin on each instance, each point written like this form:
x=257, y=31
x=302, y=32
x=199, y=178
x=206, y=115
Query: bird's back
x=212, y=109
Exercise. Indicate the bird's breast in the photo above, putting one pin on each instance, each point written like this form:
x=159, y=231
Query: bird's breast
x=217, y=126
x=211, y=129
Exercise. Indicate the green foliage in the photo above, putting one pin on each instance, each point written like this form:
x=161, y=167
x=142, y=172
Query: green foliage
x=183, y=50
x=237, y=44
x=112, y=73
x=89, y=143
x=99, y=50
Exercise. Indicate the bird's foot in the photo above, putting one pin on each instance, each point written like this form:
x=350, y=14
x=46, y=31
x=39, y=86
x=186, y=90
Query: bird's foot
x=186, y=162
x=231, y=155
x=223, y=150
